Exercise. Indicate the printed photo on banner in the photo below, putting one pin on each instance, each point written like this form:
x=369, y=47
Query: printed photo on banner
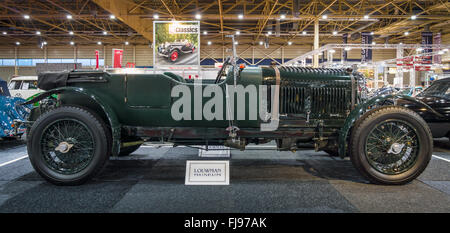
x=176, y=43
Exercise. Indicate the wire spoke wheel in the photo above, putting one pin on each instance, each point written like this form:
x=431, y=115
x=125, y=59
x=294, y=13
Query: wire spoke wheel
x=392, y=147
x=68, y=146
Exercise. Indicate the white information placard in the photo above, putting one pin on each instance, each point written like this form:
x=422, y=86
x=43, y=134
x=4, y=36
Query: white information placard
x=214, y=152
x=207, y=172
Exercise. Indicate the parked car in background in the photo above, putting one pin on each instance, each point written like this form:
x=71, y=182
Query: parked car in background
x=24, y=86
x=386, y=90
x=437, y=116
x=10, y=110
x=172, y=50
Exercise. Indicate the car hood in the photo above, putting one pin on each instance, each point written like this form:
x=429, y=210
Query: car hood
x=440, y=105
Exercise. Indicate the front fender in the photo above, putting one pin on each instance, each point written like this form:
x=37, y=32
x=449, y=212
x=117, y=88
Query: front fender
x=107, y=110
x=362, y=108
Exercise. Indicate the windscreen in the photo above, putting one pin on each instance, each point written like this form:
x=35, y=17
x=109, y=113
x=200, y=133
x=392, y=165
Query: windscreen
x=438, y=89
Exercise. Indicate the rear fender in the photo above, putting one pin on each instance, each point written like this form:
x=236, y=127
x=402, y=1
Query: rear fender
x=107, y=110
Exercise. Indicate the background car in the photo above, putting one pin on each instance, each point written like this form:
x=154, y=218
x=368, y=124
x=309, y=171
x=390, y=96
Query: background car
x=23, y=86
x=172, y=50
x=10, y=110
x=437, y=111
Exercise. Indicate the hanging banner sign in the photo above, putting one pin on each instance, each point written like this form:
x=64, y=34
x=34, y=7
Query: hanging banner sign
x=344, y=41
x=427, y=39
x=176, y=43
x=366, y=54
x=96, y=59
x=437, y=41
x=117, y=58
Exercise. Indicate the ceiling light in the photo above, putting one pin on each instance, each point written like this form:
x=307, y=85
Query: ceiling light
x=155, y=16
x=240, y=16
x=236, y=42
x=335, y=32
x=347, y=48
x=400, y=43
x=371, y=33
x=69, y=16
x=205, y=33
x=17, y=43
x=413, y=17
x=38, y=33
x=198, y=16
x=289, y=42
x=269, y=33
x=261, y=43
x=406, y=33
x=238, y=32
x=26, y=16
x=304, y=32
x=112, y=16
x=45, y=42
x=70, y=33
x=366, y=16
x=209, y=43
x=4, y=33
x=282, y=16
x=105, y=32
x=72, y=43
x=374, y=43
x=324, y=16
x=127, y=43
x=99, y=43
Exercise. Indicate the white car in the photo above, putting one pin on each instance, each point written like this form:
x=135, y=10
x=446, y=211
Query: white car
x=23, y=86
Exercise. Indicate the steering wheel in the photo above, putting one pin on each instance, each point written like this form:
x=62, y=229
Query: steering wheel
x=222, y=70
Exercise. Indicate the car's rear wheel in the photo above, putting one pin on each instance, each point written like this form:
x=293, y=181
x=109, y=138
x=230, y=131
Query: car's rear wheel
x=68, y=145
x=174, y=55
x=391, y=145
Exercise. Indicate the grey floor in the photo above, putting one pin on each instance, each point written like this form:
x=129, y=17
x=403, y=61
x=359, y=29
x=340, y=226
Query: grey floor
x=152, y=180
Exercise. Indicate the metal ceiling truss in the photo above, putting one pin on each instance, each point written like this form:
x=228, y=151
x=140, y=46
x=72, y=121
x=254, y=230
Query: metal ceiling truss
x=288, y=18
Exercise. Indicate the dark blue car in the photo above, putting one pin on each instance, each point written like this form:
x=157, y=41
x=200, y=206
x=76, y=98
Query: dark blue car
x=10, y=110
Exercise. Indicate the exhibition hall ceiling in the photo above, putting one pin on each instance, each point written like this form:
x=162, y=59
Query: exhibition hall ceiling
x=87, y=22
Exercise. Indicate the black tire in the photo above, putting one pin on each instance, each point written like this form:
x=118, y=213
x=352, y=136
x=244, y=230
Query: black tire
x=128, y=150
x=393, y=115
x=95, y=131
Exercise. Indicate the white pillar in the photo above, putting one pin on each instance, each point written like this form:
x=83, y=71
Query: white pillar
x=16, y=70
x=316, y=43
x=375, y=78
x=398, y=81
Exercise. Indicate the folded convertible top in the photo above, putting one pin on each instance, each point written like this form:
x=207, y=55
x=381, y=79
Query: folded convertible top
x=51, y=80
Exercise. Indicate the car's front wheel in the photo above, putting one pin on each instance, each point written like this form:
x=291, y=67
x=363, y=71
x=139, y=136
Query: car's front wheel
x=391, y=145
x=68, y=145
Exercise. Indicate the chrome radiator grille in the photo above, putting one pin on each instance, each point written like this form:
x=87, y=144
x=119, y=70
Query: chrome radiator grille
x=319, y=101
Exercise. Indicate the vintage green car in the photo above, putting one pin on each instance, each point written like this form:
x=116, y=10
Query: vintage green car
x=99, y=114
